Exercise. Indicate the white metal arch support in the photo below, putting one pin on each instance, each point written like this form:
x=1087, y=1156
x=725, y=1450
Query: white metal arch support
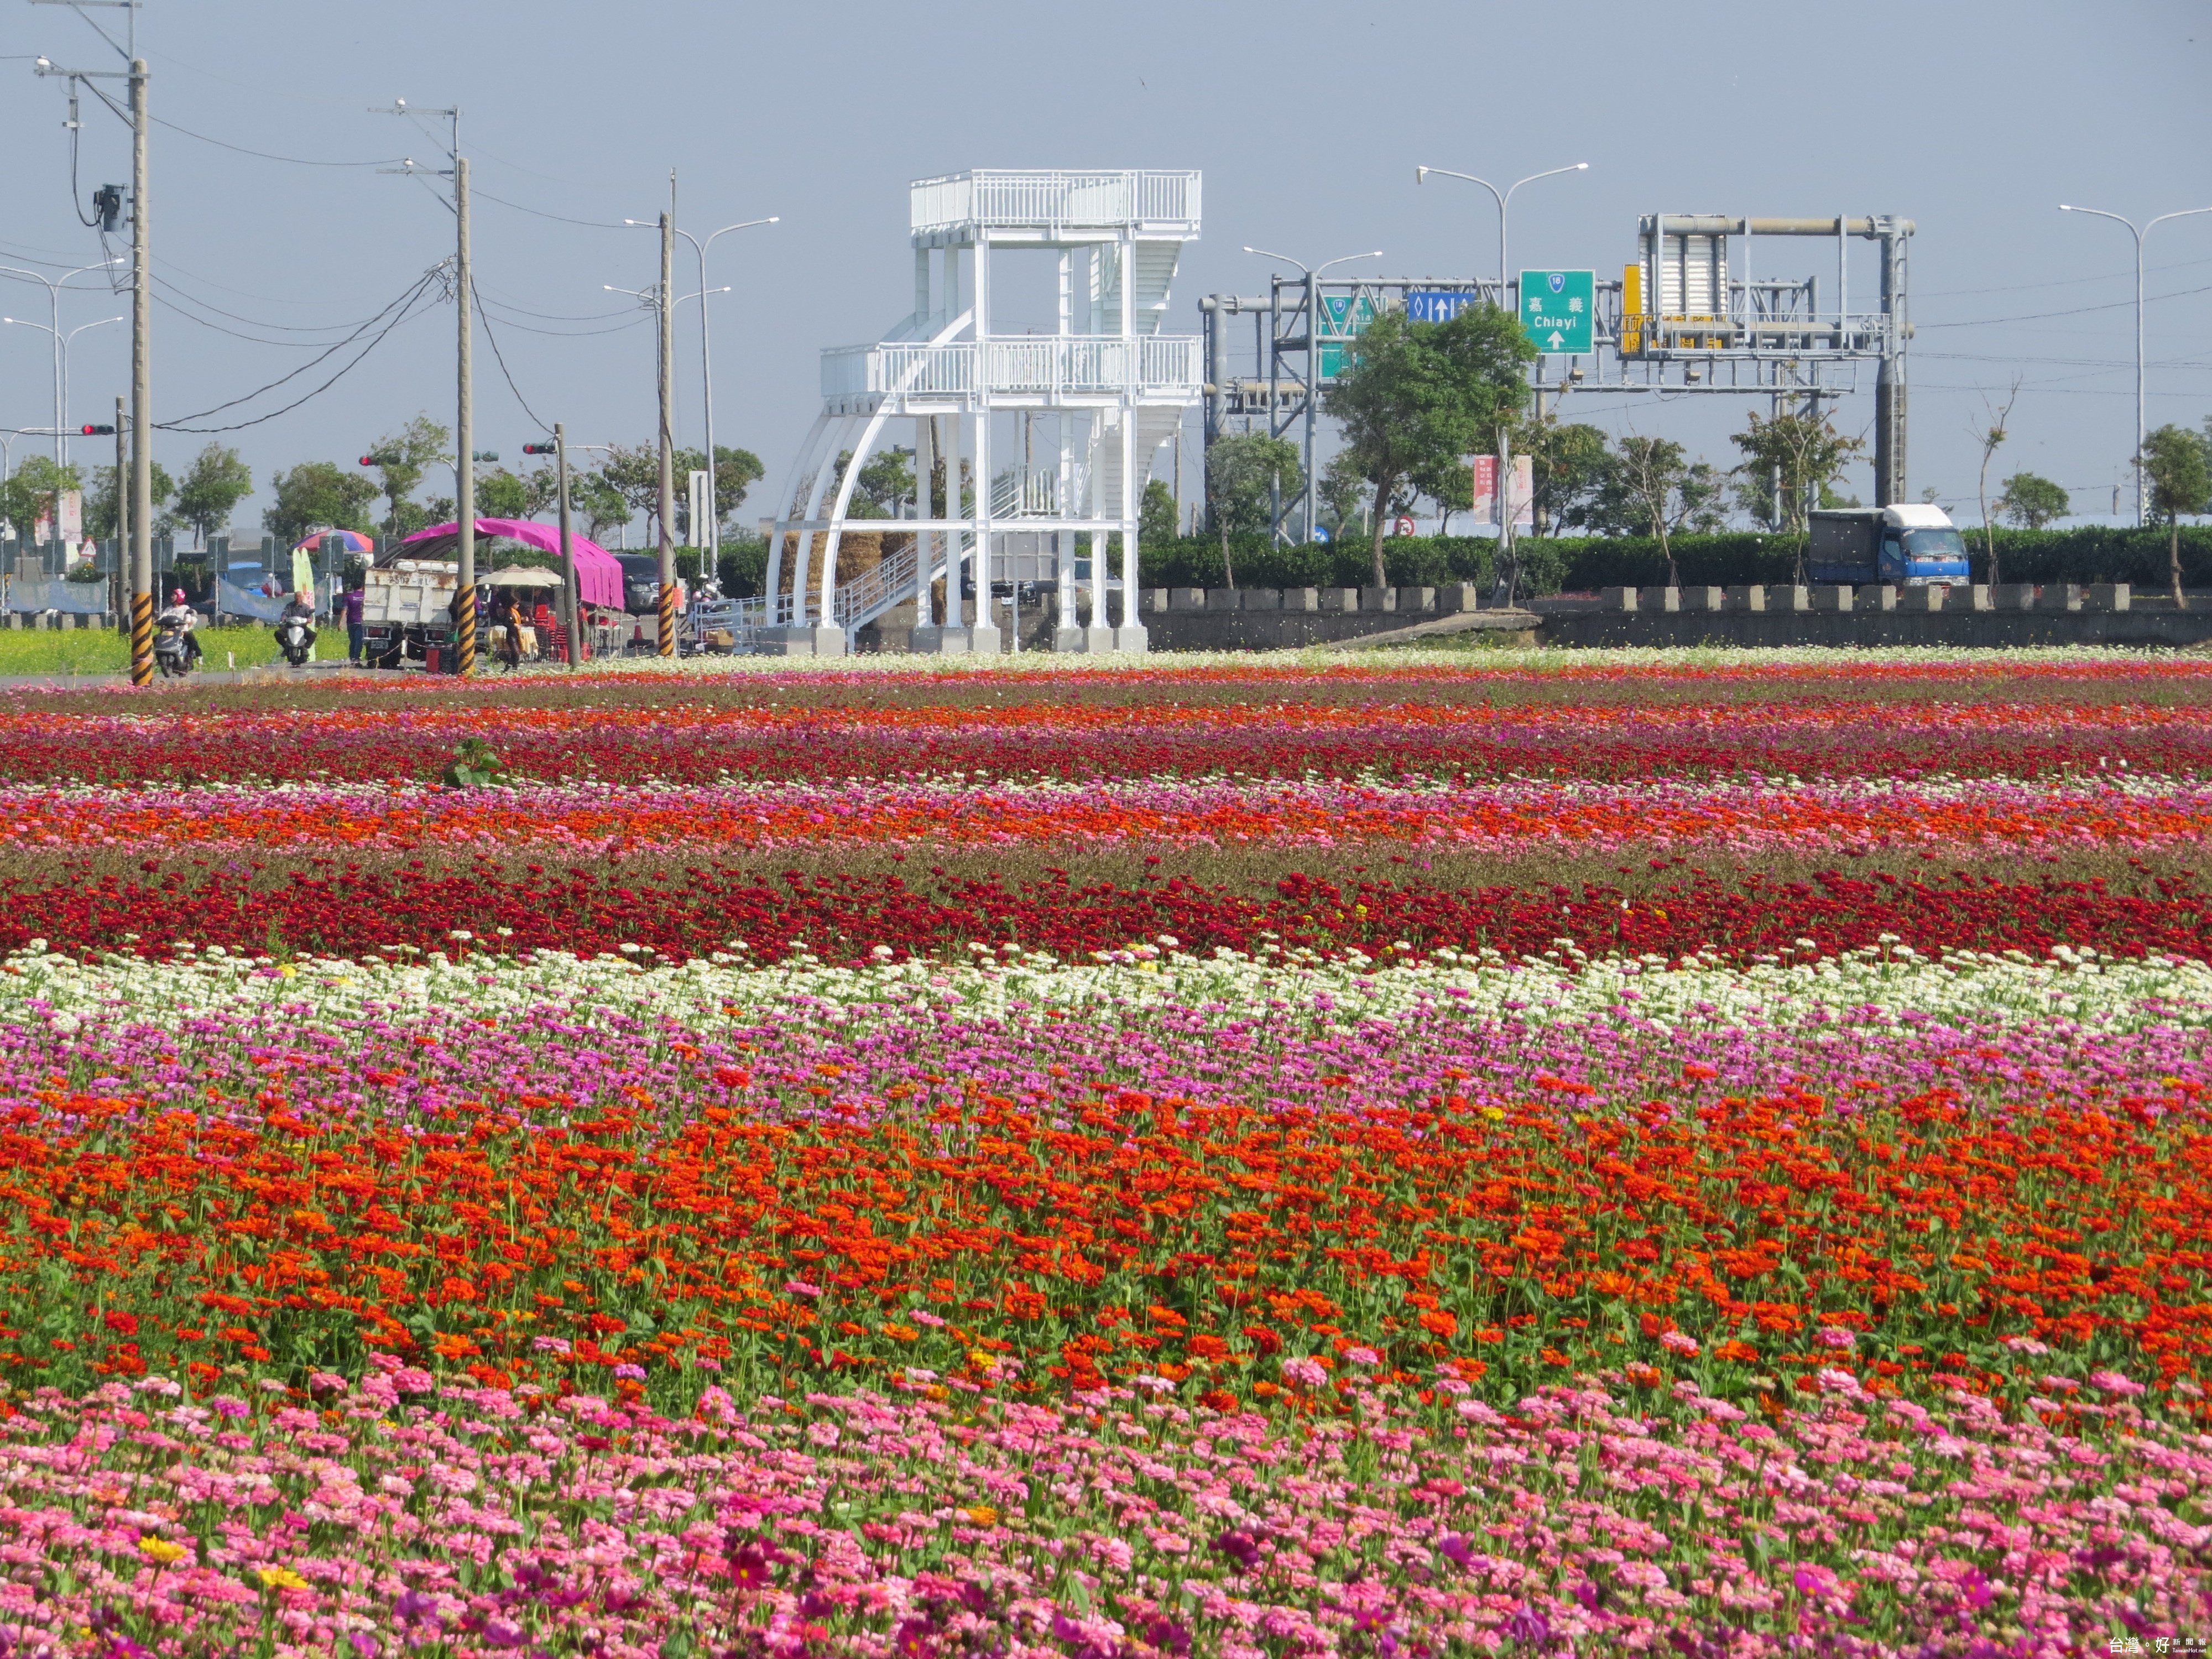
x=831, y=446
x=783, y=511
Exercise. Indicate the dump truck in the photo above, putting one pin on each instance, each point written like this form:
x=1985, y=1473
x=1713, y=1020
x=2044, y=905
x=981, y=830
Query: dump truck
x=407, y=613
x=1910, y=545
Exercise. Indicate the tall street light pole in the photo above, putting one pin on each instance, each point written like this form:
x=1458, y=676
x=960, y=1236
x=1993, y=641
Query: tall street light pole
x=1313, y=354
x=53, y=286
x=60, y=375
x=2142, y=493
x=1508, y=508
x=713, y=543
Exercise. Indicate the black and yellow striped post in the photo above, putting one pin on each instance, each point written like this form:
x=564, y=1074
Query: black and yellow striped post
x=668, y=619
x=142, y=638
x=464, y=630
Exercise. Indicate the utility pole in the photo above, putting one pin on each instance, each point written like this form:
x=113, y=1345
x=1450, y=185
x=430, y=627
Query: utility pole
x=141, y=395
x=568, y=651
x=122, y=507
x=667, y=642
x=464, y=482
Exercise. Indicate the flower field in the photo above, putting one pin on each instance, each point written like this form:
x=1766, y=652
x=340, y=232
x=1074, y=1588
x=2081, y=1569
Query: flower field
x=1709, y=1158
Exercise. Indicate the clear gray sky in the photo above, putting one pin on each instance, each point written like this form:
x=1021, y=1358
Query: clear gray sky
x=1308, y=120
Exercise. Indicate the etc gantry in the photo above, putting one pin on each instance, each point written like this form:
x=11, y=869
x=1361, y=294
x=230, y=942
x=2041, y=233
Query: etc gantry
x=1022, y=443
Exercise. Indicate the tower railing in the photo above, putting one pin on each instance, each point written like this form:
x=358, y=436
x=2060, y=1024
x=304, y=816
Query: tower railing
x=1046, y=364
x=1046, y=200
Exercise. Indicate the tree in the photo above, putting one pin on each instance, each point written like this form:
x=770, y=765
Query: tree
x=100, y=501
x=1414, y=396
x=1450, y=486
x=600, y=506
x=1340, y=492
x=1803, y=452
x=1989, y=437
x=29, y=494
x=500, y=495
x=2174, y=459
x=1156, y=515
x=218, y=481
x=634, y=474
x=2031, y=502
x=315, y=496
x=1568, y=465
x=1651, y=473
x=735, y=470
x=401, y=460
x=1243, y=473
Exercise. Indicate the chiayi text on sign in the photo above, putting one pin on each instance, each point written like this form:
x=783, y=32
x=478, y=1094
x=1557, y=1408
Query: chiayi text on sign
x=1556, y=310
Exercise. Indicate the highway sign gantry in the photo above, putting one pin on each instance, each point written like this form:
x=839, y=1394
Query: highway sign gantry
x=1558, y=308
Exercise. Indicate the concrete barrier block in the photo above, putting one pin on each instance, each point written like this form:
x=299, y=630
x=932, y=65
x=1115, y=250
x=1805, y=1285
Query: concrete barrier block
x=1152, y=601
x=2108, y=595
x=1980, y=598
x=1831, y=598
x=1746, y=598
x=1224, y=599
x=1378, y=599
x=1660, y=599
x=2014, y=596
x=1883, y=598
x=1301, y=598
x=1616, y=599
x=1704, y=598
x=1263, y=598
x=1924, y=599
x=1790, y=597
x=2069, y=595
x=1340, y=599
x=1458, y=597
x=1417, y=601
x=1185, y=599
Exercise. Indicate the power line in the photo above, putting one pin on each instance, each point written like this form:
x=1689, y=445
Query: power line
x=577, y=333
x=2076, y=310
x=540, y=213
x=403, y=308
x=255, y=322
x=557, y=317
x=500, y=357
x=294, y=160
x=2061, y=281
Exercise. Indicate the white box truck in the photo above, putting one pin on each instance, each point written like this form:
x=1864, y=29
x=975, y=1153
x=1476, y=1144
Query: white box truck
x=407, y=611
x=1911, y=545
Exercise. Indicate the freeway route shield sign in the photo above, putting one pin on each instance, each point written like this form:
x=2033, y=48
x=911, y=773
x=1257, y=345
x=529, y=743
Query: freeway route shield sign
x=1557, y=309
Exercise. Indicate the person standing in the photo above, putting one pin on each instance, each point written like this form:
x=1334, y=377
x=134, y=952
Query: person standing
x=355, y=598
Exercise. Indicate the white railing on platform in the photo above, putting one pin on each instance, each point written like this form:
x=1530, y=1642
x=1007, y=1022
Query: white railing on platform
x=1038, y=492
x=1050, y=200
x=1032, y=364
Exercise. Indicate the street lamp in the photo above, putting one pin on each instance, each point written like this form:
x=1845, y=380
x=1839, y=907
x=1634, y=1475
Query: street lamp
x=54, y=285
x=2142, y=497
x=707, y=377
x=1421, y=177
x=61, y=377
x=1313, y=354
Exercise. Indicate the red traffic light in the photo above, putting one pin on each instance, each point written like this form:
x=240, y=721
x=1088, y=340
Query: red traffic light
x=368, y=460
x=97, y=431
x=537, y=449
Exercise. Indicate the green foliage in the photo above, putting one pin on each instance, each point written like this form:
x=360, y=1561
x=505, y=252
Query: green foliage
x=28, y=493
x=1568, y=465
x=500, y=495
x=2175, y=461
x=736, y=471
x=475, y=766
x=314, y=495
x=1417, y=396
x=634, y=474
x=1156, y=514
x=1806, y=452
x=1243, y=473
x=743, y=567
x=218, y=480
x=2031, y=502
x=100, y=501
x=402, y=458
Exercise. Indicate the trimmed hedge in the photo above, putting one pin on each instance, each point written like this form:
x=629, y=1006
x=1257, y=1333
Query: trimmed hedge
x=1583, y=564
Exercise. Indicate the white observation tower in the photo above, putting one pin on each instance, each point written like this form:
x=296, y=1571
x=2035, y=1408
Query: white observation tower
x=1022, y=442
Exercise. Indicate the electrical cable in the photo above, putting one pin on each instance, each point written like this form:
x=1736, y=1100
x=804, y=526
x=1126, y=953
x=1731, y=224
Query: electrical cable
x=557, y=317
x=403, y=308
x=76, y=133
x=561, y=218
x=255, y=322
x=2061, y=281
x=2076, y=310
x=266, y=155
x=573, y=333
x=501, y=358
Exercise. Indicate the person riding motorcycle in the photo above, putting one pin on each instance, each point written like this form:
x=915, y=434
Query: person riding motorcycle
x=180, y=615
x=300, y=610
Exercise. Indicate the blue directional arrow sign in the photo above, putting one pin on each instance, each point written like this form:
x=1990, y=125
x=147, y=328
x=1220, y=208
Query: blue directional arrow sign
x=1558, y=308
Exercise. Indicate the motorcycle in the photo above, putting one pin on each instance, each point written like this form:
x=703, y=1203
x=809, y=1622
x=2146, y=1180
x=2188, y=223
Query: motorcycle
x=171, y=654
x=296, y=640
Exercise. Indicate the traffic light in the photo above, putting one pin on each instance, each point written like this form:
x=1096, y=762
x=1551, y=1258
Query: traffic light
x=371, y=460
x=537, y=449
x=485, y=454
x=97, y=431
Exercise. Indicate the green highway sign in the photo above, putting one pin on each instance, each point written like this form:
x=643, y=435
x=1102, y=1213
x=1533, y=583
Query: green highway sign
x=1558, y=308
x=1342, y=319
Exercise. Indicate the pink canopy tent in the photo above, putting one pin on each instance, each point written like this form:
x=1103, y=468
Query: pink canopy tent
x=599, y=577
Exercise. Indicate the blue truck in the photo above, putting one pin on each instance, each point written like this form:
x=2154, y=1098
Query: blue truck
x=1909, y=545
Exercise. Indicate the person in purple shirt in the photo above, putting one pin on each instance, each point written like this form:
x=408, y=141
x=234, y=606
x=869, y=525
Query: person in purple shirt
x=352, y=603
